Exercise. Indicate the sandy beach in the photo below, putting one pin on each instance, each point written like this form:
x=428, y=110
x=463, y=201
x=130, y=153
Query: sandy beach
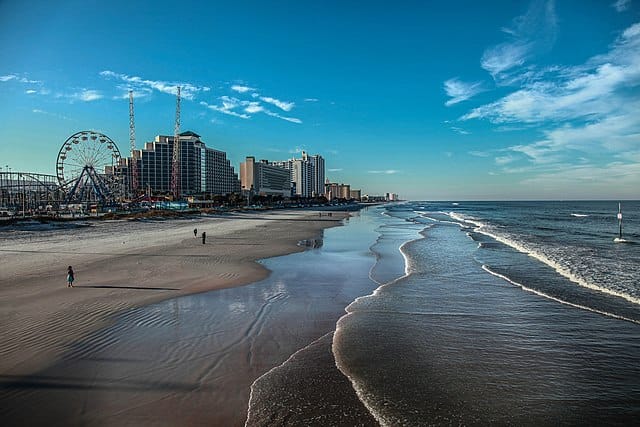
x=118, y=267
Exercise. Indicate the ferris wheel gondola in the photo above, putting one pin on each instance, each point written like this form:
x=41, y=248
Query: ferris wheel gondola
x=88, y=168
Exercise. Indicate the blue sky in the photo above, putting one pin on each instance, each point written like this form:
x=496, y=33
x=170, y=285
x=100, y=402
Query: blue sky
x=428, y=99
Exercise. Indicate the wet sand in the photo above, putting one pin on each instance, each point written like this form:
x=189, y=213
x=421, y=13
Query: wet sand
x=117, y=270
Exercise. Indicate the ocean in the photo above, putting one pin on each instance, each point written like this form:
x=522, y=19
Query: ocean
x=486, y=313
x=415, y=313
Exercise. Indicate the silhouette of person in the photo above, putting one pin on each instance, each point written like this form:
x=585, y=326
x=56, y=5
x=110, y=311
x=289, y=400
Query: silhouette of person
x=195, y=232
x=204, y=237
x=70, y=277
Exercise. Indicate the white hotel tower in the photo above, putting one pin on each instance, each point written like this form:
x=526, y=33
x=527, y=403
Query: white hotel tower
x=307, y=174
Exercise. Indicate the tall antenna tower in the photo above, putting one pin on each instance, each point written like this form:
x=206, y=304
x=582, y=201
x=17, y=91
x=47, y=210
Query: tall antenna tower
x=132, y=140
x=175, y=173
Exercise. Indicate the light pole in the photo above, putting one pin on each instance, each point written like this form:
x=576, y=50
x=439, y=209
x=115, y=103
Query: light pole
x=24, y=194
x=9, y=185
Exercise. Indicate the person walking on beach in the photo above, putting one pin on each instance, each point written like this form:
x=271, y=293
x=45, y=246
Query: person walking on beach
x=204, y=237
x=70, y=277
x=195, y=232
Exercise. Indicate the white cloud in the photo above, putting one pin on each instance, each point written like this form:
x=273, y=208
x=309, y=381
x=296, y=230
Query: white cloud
x=86, y=95
x=30, y=91
x=187, y=90
x=46, y=113
x=621, y=5
x=460, y=91
x=10, y=77
x=138, y=93
x=289, y=119
x=460, y=130
x=479, y=153
x=335, y=170
x=241, y=89
x=590, y=91
x=283, y=105
x=503, y=57
x=311, y=100
x=529, y=34
x=503, y=160
x=227, y=108
x=254, y=107
x=386, y=172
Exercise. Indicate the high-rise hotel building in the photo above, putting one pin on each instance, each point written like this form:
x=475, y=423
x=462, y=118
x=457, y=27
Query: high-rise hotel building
x=264, y=179
x=203, y=170
x=306, y=174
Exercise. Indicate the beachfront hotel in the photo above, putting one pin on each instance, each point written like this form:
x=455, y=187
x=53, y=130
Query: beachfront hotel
x=334, y=190
x=264, y=179
x=203, y=170
x=306, y=174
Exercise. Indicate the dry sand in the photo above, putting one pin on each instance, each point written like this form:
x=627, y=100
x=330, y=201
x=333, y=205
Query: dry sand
x=125, y=267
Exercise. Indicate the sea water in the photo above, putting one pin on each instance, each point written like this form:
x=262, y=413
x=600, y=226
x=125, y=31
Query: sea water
x=509, y=313
x=449, y=313
x=486, y=313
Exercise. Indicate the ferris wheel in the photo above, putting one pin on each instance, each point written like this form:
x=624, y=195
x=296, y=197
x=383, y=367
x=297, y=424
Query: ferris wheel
x=88, y=168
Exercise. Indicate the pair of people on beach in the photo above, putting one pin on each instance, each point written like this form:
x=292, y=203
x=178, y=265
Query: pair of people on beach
x=204, y=235
x=70, y=277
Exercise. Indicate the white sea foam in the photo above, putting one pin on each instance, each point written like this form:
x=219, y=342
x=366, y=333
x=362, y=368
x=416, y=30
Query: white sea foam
x=542, y=294
x=577, y=215
x=536, y=254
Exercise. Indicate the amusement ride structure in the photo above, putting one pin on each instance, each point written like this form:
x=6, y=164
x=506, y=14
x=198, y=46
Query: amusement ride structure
x=87, y=168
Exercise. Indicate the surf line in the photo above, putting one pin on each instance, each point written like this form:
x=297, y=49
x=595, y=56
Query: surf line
x=545, y=260
x=542, y=294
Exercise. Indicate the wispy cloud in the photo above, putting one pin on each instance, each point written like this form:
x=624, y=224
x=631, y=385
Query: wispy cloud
x=460, y=91
x=226, y=108
x=311, y=100
x=479, y=153
x=621, y=5
x=17, y=78
x=232, y=105
x=460, y=130
x=503, y=160
x=297, y=150
x=187, y=90
x=141, y=92
x=529, y=34
x=46, y=113
x=241, y=89
x=385, y=172
x=283, y=105
x=254, y=107
x=288, y=119
x=591, y=91
x=85, y=95
x=335, y=170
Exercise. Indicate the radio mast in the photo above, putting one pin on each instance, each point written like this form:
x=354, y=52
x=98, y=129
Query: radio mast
x=175, y=173
x=132, y=141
